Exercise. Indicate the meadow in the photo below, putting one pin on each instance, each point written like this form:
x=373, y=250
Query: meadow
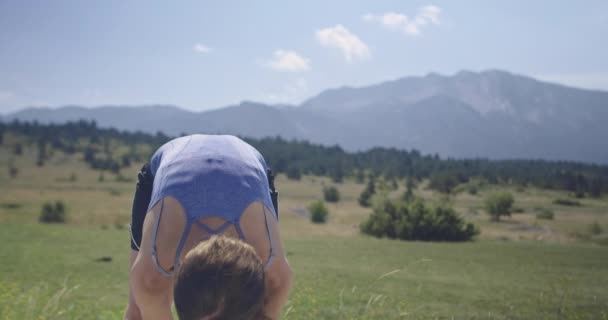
x=519, y=268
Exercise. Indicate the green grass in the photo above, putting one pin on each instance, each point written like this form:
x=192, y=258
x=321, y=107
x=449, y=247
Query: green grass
x=555, y=270
x=336, y=277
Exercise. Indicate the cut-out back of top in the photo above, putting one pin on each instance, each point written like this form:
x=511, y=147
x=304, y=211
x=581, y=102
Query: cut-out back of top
x=210, y=176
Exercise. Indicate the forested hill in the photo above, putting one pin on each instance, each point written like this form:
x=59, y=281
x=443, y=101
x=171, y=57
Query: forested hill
x=112, y=150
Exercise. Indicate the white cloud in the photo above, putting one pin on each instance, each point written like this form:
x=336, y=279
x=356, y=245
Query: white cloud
x=340, y=38
x=201, y=48
x=288, y=61
x=400, y=22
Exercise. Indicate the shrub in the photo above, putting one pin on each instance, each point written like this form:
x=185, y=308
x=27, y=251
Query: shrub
x=331, y=194
x=499, y=204
x=410, y=185
x=444, y=182
x=18, y=149
x=366, y=196
x=10, y=205
x=318, y=212
x=121, y=178
x=518, y=210
x=119, y=225
x=293, y=173
x=394, y=184
x=53, y=213
x=595, y=228
x=413, y=220
x=472, y=189
x=337, y=176
x=13, y=172
x=360, y=176
x=545, y=213
x=567, y=202
x=125, y=161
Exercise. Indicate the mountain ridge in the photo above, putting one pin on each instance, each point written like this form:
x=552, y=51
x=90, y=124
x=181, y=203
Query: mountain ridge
x=493, y=114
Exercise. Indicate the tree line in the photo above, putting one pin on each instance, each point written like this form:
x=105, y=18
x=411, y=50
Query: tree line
x=296, y=158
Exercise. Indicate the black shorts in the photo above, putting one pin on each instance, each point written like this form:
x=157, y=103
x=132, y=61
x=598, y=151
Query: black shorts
x=141, y=200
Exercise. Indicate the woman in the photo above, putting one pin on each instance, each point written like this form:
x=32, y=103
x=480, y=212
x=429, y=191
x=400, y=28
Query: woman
x=195, y=189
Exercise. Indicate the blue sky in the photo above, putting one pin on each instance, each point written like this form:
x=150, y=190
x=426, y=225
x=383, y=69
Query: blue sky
x=202, y=55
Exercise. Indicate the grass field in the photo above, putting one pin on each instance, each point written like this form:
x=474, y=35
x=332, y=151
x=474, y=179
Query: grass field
x=522, y=268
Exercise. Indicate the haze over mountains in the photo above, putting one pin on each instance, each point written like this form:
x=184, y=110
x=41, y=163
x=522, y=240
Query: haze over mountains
x=492, y=114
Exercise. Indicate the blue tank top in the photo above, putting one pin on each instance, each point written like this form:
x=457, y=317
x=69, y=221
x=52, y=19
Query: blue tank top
x=210, y=176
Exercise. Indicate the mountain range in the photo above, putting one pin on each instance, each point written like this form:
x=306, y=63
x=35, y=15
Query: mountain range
x=491, y=114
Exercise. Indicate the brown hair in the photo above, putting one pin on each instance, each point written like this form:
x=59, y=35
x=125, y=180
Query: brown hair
x=221, y=278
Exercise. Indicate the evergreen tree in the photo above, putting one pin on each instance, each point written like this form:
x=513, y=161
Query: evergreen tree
x=359, y=176
x=409, y=189
x=41, y=152
x=18, y=149
x=368, y=192
x=293, y=173
x=331, y=194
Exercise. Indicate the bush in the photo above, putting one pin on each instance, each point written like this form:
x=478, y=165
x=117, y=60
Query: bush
x=360, y=176
x=53, y=213
x=366, y=196
x=293, y=173
x=337, y=176
x=18, y=149
x=567, y=202
x=13, y=172
x=444, y=182
x=595, y=228
x=518, y=210
x=331, y=194
x=394, y=184
x=499, y=204
x=410, y=185
x=472, y=189
x=318, y=212
x=413, y=220
x=10, y=205
x=120, y=178
x=545, y=213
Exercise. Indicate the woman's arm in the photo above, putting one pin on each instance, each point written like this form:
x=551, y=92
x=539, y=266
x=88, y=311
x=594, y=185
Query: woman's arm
x=279, y=279
x=151, y=290
x=141, y=200
x=132, y=312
